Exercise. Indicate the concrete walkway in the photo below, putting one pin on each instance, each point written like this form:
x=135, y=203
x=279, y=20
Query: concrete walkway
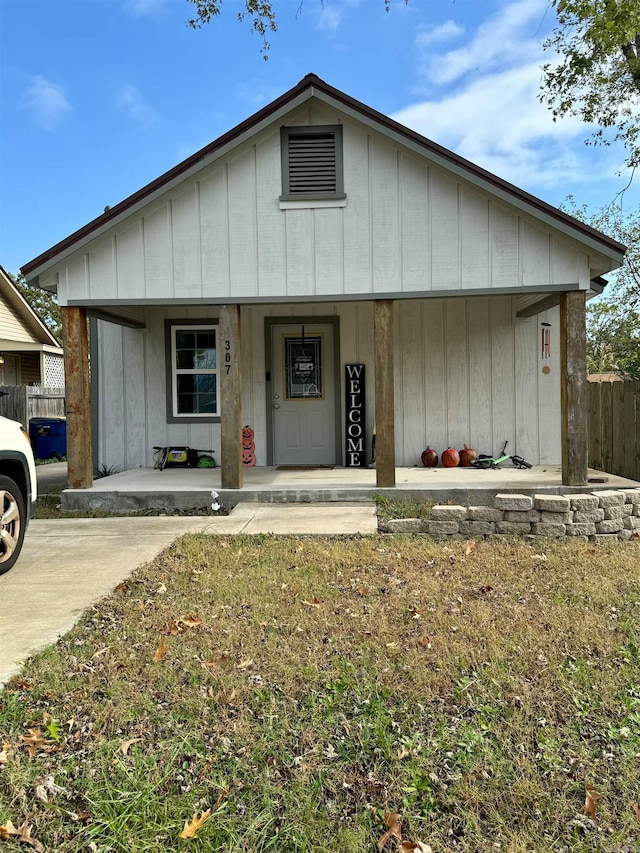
x=68, y=564
x=51, y=477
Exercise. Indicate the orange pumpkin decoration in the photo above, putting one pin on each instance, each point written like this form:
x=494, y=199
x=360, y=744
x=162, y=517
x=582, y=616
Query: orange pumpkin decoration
x=429, y=457
x=467, y=456
x=450, y=458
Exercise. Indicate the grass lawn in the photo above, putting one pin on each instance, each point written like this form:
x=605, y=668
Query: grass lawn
x=301, y=689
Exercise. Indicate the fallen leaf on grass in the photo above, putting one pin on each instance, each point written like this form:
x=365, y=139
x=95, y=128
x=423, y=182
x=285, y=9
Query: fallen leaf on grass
x=46, y=787
x=190, y=621
x=222, y=796
x=409, y=846
x=362, y=590
x=470, y=546
x=100, y=652
x=41, y=793
x=591, y=801
x=21, y=833
x=178, y=626
x=392, y=820
x=4, y=752
x=33, y=741
x=245, y=664
x=82, y=817
x=161, y=651
x=124, y=746
x=636, y=809
x=191, y=828
x=216, y=662
x=314, y=602
x=425, y=641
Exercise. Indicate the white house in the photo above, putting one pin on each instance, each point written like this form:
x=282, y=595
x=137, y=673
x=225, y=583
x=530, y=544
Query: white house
x=29, y=353
x=249, y=284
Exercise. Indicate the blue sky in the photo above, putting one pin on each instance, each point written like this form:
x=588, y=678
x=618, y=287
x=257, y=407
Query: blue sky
x=99, y=97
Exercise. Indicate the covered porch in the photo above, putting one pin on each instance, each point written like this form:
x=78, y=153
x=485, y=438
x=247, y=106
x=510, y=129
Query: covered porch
x=183, y=488
x=487, y=378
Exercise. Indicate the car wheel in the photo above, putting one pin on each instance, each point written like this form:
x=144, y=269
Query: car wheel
x=13, y=519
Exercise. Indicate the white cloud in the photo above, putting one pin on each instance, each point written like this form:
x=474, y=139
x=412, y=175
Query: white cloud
x=443, y=32
x=256, y=93
x=498, y=123
x=483, y=103
x=509, y=37
x=47, y=102
x=131, y=102
x=329, y=19
x=142, y=8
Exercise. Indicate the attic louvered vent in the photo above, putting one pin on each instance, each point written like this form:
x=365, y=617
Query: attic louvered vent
x=312, y=162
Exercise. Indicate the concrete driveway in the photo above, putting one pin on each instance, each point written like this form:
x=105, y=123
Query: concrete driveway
x=65, y=566
x=68, y=564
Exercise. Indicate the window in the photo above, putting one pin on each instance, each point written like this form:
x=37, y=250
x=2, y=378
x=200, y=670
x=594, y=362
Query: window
x=193, y=373
x=303, y=367
x=312, y=163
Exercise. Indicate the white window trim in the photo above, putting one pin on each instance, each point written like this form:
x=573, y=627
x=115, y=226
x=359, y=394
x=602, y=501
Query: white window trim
x=182, y=371
x=313, y=203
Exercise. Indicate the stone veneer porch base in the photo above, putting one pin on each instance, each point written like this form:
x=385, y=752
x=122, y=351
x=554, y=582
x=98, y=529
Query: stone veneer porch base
x=603, y=516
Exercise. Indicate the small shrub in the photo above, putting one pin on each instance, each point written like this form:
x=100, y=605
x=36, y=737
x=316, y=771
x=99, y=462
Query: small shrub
x=105, y=471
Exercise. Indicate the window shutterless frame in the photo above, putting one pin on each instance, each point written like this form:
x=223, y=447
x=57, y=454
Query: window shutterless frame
x=312, y=166
x=193, y=394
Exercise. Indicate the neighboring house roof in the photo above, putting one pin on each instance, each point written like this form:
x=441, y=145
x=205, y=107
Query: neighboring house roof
x=20, y=326
x=313, y=86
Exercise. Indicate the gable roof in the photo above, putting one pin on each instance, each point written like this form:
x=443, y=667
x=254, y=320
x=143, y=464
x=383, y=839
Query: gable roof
x=25, y=313
x=313, y=86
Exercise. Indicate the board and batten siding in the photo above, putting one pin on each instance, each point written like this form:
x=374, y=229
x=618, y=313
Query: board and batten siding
x=466, y=370
x=408, y=227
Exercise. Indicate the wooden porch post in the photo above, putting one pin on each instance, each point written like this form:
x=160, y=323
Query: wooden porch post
x=229, y=373
x=78, y=400
x=383, y=362
x=574, y=400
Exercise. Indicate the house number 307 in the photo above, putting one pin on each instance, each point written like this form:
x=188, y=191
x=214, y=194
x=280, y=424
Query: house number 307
x=227, y=355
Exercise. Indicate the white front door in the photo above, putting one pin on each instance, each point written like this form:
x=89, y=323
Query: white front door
x=303, y=401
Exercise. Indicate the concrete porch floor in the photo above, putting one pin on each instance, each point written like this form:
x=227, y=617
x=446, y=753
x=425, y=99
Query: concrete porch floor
x=184, y=488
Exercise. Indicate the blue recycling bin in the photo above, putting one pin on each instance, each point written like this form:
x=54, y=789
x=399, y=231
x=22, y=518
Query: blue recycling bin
x=48, y=437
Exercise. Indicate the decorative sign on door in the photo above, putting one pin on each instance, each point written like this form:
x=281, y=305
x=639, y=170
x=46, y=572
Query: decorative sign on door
x=303, y=367
x=355, y=416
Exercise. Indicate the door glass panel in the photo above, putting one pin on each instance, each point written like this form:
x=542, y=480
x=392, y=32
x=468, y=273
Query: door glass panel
x=303, y=367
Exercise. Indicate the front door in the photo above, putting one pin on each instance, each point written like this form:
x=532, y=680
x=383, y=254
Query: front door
x=303, y=401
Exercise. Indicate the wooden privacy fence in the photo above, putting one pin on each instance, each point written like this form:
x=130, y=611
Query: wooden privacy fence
x=23, y=402
x=614, y=424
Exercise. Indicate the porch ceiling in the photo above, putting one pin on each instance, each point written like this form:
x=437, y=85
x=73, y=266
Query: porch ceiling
x=530, y=304
x=122, y=315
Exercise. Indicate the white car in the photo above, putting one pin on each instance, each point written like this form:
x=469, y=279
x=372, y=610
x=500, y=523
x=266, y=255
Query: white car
x=18, y=490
